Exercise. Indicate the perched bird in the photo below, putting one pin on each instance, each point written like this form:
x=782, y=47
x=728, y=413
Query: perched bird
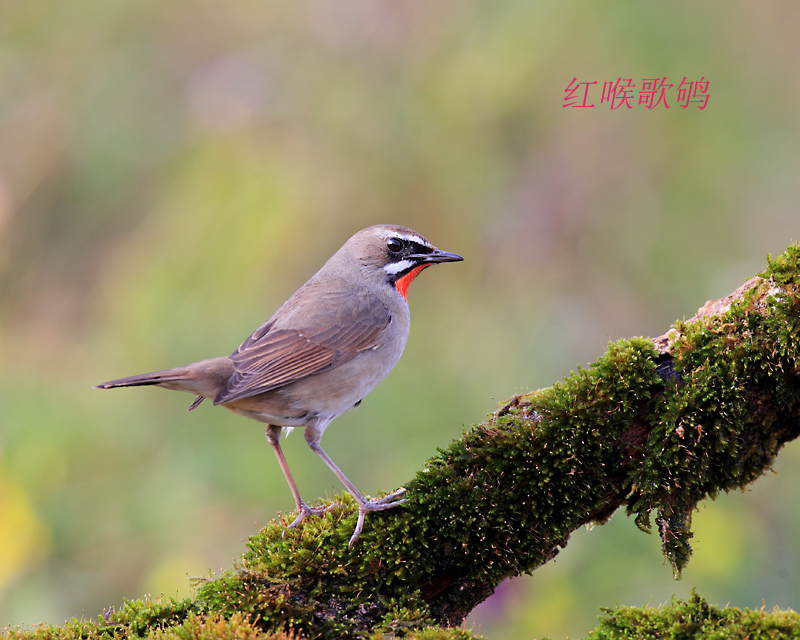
x=326, y=348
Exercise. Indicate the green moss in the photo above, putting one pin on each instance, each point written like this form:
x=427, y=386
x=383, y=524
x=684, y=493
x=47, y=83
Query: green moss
x=783, y=270
x=135, y=619
x=695, y=619
x=712, y=434
x=237, y=627
x=308, y=580
x=505, y=497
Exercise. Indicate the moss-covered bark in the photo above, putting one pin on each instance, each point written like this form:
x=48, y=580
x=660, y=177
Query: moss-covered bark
x=692, y=619
x=697, y=620
x=653, y=425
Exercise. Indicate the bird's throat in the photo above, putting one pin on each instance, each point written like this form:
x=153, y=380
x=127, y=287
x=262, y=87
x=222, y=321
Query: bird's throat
x=401, y=284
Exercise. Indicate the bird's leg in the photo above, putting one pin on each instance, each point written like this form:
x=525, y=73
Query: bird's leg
x=304, y=510
x=313, y=437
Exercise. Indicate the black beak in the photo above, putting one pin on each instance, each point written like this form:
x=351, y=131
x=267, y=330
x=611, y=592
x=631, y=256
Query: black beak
x=435, y=256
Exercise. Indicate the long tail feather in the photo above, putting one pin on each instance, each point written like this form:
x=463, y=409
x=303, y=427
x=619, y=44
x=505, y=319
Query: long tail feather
x=204, y=379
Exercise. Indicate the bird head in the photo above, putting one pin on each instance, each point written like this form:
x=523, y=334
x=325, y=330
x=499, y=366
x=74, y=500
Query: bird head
x=395, y=255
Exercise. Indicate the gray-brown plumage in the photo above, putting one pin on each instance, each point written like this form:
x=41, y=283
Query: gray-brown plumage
x=326, y=348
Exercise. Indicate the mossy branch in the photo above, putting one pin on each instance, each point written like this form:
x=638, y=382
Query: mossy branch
x=653, y=425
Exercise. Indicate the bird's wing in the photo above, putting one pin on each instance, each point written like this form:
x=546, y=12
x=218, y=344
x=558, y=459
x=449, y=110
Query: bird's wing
x=274, y=357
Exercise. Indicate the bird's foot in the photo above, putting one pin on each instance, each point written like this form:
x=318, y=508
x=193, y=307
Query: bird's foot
x=392, y=497
x=377, y=504
x=305, y=510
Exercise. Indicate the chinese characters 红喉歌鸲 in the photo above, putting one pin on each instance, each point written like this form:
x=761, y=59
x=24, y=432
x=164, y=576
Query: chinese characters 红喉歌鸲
x=651, y=94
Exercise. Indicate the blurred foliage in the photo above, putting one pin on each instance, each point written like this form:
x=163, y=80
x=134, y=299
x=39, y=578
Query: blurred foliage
x=170, y=172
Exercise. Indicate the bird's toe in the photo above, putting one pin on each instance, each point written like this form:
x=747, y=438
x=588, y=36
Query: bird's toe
x=362, y=514
x=305, y=510
x=392, y=497
x=381, y=505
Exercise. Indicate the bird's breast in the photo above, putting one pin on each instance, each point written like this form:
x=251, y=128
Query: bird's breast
x=340, y=388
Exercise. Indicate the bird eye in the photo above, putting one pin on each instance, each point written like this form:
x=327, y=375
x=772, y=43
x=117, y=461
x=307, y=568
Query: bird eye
x=394, y=245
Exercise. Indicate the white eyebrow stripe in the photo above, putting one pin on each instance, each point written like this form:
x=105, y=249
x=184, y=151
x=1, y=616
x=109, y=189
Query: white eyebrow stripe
x=416, y=239
x=409, y=238
x=394, y=268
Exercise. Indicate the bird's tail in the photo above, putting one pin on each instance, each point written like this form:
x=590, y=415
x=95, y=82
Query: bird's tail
x=205, y=379
x=177, y=379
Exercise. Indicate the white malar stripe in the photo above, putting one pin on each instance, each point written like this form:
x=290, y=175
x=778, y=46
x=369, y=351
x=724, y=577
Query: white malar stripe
x=394, y=268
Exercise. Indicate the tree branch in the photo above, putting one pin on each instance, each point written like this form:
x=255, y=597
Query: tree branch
x=653, y=425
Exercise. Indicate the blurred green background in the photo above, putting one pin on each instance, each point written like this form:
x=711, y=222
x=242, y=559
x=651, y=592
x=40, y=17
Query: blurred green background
x=171, y=171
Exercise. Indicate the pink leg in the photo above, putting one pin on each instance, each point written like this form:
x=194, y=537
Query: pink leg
x=364, y=506
x=273, y=437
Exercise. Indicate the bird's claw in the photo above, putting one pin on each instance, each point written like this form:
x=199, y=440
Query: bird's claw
x=362, y=513
x=377, y=504
x=364, y=507
x=392, y=497
x=305, y=510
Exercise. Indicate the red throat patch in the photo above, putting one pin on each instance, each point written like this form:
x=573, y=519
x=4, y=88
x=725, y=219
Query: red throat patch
x=401, y=284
